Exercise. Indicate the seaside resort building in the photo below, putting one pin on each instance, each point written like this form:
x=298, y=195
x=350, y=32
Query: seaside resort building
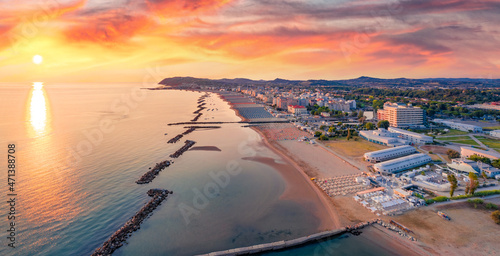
x=395, y=137
x=402, y=163
x=469, y=151
x=401, y=115
x=389, y=153
x=459, y=126
x=412, y=137
x=465, y=166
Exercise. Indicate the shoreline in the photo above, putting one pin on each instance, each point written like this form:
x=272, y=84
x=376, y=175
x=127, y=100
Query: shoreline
x=329, y=218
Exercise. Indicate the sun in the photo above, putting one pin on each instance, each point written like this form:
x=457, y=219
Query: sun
x=37, y=59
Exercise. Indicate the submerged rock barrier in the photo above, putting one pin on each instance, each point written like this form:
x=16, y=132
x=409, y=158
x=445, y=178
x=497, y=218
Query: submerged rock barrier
x=187, y=145
x=149, y=176
x=119, y=237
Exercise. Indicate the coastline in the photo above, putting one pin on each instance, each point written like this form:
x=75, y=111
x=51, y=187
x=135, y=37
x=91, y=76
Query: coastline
x=297, y=178
x=299, y=187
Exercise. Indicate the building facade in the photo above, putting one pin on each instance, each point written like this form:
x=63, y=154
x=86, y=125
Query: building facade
x=402, y=163
x=459, y=126
x=389, y=153
x=470, y=151
x=412, y=137
x=401, y=115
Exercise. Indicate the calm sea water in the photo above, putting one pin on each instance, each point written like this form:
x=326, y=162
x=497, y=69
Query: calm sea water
x=81, y=147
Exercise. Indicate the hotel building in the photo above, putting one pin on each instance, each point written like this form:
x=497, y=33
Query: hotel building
x=401, y=115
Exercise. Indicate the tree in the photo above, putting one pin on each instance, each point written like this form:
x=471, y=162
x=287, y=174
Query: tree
x=453, y=154
x=495, y=163
x=362, y=119
x=361, y=114
x=323, y=137
x=383, y=124
x=369, y=126
x=480, y=159
x=472, y=184
x=349, y=135
x=331, y=129
x=453, y=183
x=496, y=216
x=317, y=134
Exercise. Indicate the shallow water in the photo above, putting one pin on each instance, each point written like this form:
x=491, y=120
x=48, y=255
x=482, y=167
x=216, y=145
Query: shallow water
x=81, y=147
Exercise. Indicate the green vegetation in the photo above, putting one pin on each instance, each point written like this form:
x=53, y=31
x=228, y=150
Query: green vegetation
x=452, y=154
x=383, y=124
x=453, y=183
x=472, y=185
x=429, y=201
x=369, y=126
x=468, y=95
x=455, y=132
x=491, y=128
x=492, y=143
x=480, y=159
x=419, y=195
x=317, y=134
x=475, y=202
x=491, y=206
x=487, y=193
x=441, y=199
x=459, y=139
x=496, y=216
x=323, y=137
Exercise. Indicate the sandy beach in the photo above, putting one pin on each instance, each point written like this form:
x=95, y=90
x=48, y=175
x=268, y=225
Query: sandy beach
x=301, y=188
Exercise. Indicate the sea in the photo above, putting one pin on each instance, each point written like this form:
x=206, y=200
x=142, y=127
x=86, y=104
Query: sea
x=79, y=148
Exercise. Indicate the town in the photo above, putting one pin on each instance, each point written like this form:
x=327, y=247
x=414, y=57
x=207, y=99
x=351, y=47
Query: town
x=405, y=152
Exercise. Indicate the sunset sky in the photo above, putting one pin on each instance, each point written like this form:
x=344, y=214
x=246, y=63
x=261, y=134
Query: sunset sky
x=127, y=40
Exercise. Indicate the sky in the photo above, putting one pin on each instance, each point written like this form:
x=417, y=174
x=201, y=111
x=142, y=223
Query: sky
x=134, y=40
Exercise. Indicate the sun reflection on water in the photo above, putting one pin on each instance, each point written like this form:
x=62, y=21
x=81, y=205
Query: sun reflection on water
x=38, y=111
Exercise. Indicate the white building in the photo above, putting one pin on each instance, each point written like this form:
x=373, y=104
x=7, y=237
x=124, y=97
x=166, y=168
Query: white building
x=495, y=133
x=413, y=137
x=402, y=163
x=459, y=126
x=383, y=137
x=389, y=153
x=469, y=151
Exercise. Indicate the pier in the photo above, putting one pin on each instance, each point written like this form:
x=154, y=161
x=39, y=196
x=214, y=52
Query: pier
x=314, y=238
x=187, y=145
x=119, y=237
x=149, y=176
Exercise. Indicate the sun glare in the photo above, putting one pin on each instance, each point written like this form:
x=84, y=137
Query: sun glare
x=37, y=59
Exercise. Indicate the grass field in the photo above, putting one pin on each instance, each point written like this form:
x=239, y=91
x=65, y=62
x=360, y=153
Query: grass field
x=455, y=132
x=462, y=139
x=492, y=143
x=491, y=128
x=353, y=148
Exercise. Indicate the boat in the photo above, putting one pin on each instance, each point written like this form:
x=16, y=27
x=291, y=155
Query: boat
x=443, y=215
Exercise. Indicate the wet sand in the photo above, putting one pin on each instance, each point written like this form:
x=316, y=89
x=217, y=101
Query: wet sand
x=300, y=188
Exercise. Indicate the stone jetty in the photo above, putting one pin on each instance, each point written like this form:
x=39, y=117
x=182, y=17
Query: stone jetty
x=179, y=136
x=281, y=245
x=187, y=145
x=196, y=117
x=175, y=139
x=119, y=237
x=149, y=176
x=199, y=110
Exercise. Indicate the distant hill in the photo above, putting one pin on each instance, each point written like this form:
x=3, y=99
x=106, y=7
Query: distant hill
x=362, y=81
